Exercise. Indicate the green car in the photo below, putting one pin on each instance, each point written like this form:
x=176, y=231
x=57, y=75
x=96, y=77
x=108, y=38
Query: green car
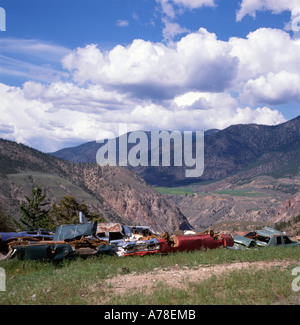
x=265, y=237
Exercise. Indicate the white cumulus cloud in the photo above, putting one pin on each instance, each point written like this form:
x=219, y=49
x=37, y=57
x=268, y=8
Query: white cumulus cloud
x=269, y=67
x=149, y=70
x=250, y=7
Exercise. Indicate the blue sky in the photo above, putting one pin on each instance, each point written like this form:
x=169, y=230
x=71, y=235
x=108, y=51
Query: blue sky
x=72, y=69
x=74, y=23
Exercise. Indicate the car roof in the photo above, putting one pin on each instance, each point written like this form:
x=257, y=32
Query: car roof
x=270, y=232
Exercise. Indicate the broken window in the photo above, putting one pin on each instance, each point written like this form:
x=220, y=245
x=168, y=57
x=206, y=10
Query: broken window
x=115, y=235
x=278, y=240
x=263, y=239
x=287, y=240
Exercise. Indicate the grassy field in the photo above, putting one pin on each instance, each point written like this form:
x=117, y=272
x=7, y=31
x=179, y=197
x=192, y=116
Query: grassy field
x=175, y=190
x=84, y=281
x=240, y=193
x=190, y=190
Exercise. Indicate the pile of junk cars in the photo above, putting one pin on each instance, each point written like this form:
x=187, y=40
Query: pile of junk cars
x=92, y=238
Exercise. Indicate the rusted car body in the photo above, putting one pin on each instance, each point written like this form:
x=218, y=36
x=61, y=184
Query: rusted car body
x=38, y=233
x=73, y=232
x=264, y=238
x=193, y=242
x=44, y=251
x=112, y=232
x=243, y=242
x=142, y=231
x=139, y=247
x=69, y=241
x=31, y=235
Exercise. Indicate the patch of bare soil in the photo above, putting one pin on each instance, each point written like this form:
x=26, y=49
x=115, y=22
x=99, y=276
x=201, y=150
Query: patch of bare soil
x=177, y=277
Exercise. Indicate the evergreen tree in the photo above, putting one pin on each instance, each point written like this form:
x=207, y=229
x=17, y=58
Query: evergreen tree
x=33, y=213
x=5, y=222
x=67, y=212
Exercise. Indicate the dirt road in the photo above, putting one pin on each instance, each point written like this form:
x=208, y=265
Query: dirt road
x=180, y=277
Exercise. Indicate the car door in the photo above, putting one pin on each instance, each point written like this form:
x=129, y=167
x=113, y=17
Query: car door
x=279, y=241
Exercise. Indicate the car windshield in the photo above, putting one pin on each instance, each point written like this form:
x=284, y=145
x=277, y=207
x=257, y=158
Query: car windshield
x=263, y=239
x=287, y=240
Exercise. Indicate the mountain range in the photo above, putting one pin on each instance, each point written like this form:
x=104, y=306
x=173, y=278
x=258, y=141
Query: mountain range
x=251, y=149
x=251, y=176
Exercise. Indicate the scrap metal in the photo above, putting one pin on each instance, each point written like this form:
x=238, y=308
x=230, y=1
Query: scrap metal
x=264, y=237
x=86, y=239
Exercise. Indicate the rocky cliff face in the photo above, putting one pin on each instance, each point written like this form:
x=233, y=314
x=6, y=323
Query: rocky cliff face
x=133, y=199
x=289, y=209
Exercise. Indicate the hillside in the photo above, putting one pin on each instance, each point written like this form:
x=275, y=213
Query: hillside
x=288, y=215
x=289, y=209
x=117, y=193
x=238, y=203
x=249, y=149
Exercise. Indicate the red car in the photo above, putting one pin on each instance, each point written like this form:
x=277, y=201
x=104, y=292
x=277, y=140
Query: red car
x=193, y=242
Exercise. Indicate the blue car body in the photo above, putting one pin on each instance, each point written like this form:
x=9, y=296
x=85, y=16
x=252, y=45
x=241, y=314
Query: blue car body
x=36, y=233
